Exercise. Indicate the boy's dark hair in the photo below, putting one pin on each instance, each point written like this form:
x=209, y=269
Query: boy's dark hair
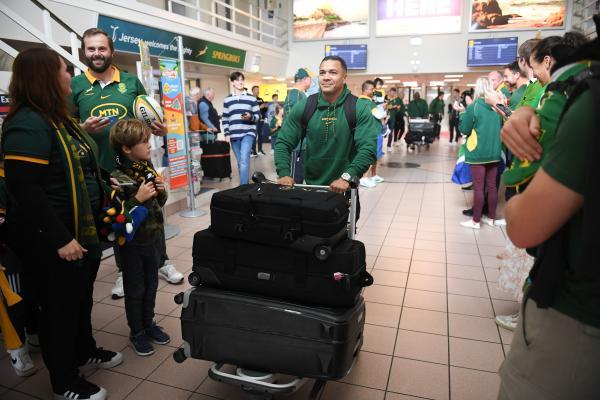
x=255, y=86
x=338, y=59
x=94, y=32
x=393, y=89
x=235, y=76
x=275, y=95
x=366, y=84
x=128, y=132
x=456, y=90
x=377, y=80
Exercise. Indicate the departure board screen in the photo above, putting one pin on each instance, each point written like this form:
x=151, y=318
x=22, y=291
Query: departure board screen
x=355, y=55
x=490, y=52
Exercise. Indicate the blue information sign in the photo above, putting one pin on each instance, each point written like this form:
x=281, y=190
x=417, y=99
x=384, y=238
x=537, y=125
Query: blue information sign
x=355, y=55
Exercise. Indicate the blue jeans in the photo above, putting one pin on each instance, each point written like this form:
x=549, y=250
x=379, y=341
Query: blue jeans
x=241, y=148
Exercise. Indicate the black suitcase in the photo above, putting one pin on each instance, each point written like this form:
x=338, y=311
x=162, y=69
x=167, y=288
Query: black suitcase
x=216, y=159
x=280, y=272
x=304, y=218
x=263, y=334
x=420, y=131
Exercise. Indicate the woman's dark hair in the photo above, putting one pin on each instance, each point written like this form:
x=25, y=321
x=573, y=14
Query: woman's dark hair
x=574, y=39
x=236, y=75
x=544, y=48
x=36, y=84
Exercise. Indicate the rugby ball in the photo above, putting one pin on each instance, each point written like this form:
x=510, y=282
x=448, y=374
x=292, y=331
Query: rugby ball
x=147, y=110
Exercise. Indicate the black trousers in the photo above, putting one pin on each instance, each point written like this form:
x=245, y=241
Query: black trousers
x=453, y=127
x=437, y=124
x=64, y=294
x=140, y=282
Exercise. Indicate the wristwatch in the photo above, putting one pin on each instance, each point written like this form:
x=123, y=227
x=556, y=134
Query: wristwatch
x=346, y=176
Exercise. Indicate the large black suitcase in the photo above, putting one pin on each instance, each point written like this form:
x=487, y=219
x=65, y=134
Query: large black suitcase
x=420, y=131
x=264, y=334
x=303, y=218
x=280, y=272
x=216, y=159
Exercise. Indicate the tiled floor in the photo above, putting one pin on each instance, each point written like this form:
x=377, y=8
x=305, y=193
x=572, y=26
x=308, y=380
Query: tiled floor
x=430, y=332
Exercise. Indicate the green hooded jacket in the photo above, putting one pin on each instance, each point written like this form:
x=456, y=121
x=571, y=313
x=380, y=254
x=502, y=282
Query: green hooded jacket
x=418, y=109
x=331, y=149
x=482, y=126
x=437, y=106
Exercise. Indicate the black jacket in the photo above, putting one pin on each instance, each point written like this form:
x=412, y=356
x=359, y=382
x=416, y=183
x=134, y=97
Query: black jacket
x=213, y=116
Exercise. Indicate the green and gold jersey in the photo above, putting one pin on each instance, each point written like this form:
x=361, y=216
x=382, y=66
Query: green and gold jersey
x=533, y=94
x=548, y=112
x=516, y=97
x=116, y=99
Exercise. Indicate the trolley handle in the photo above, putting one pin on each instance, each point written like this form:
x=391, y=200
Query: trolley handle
x=259, y=177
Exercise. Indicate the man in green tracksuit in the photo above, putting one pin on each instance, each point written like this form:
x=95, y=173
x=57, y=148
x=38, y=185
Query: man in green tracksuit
x=418, y=107
x=436, y=108
x=334, y=155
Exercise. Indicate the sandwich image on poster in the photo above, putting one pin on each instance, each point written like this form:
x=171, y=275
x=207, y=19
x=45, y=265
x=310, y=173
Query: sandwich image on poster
x=330, y=19
x=517, y=14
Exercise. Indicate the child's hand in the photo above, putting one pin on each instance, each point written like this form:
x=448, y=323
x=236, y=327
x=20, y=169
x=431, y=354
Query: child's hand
x=160, y=184
x=146, y=191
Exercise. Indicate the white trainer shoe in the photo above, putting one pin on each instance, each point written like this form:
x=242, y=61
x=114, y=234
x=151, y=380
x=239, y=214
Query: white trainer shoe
x=117, y=290
x=507, y=321
x=21, y=362
x=500, y=222
x=471, y=224
x=377, y=179
x=367, y=182
x=170, y=274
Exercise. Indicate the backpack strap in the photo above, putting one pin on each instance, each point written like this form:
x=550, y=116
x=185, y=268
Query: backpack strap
x=350, y=111
x=309, y=109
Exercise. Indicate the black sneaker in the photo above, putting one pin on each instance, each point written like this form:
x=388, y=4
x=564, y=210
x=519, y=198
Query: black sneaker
x=468, y=212
x=157, y=335
x=81, y=389
x=103, y=359
x=141, y=344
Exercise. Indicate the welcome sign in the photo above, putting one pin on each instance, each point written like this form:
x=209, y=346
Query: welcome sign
x=127, y=36
x=417, y=17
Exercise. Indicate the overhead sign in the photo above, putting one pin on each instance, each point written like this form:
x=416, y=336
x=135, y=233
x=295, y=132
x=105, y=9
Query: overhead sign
x=127, y=35
x=418, y=17
x=517, y=14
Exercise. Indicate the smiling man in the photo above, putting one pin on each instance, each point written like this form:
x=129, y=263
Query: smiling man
x=101, y=96
x=104, y=94
x=336, y=152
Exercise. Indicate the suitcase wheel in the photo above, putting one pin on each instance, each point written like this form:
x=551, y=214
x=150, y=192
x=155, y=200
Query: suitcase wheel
x=179, y=356
x=194, y=279
x=179, y=298
x=322, y=252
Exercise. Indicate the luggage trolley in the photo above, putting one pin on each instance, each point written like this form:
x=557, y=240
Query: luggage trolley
x=259, y=385
x=421, y=132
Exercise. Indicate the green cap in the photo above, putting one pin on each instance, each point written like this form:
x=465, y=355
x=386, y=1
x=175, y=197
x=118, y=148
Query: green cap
x=301, y=74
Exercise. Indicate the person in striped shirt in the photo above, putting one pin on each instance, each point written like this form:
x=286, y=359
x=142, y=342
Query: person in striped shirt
x=240, y=114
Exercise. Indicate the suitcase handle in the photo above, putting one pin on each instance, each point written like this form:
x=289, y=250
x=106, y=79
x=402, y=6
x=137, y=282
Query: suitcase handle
x=361, y=281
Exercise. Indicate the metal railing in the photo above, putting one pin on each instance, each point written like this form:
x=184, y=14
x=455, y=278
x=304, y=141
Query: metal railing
x=583, y=12
x=256, y=22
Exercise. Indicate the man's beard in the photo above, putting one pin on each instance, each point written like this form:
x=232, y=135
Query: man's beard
x=107, y=63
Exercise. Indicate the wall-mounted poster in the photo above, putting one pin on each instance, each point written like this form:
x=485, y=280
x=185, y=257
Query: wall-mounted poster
x=330, y=19
x=517, y=14
x=418, y=17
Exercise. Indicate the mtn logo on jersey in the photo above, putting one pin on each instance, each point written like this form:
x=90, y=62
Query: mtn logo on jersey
x=109, y=110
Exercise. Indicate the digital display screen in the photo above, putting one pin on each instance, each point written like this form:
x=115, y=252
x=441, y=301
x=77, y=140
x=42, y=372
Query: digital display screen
x=355, y=55
x=491, y=52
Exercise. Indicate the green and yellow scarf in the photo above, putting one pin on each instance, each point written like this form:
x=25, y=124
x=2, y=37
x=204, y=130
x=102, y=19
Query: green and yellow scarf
x=83, y=215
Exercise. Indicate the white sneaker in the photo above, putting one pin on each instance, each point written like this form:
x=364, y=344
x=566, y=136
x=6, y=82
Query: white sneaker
x=389, y=148
x=117, y=290
x=367, y=182
x=500, y=222
x=170, y=274
x=487, y=220
x=377, y=179
x=471, y=224
x=507, y=321
x=21, y=362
